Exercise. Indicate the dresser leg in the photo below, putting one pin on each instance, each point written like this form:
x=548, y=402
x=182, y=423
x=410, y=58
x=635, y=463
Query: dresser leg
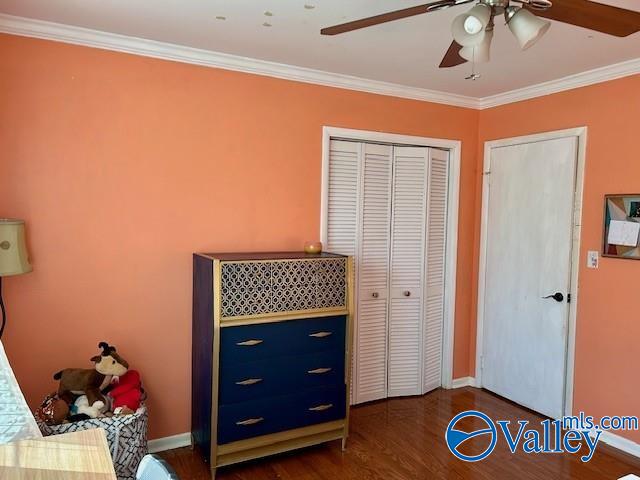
x=344, y=443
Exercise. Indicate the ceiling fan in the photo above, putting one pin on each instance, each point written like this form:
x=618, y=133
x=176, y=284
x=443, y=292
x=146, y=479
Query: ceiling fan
x=473, y=31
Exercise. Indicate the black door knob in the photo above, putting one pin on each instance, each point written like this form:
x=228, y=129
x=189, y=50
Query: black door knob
x=558, y=297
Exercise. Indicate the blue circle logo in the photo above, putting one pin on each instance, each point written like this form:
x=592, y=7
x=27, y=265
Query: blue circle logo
x=455, y=438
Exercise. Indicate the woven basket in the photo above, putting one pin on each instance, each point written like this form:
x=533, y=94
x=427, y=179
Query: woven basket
x=126, y=434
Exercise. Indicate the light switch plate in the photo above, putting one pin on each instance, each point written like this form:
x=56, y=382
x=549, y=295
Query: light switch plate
x=593, y=258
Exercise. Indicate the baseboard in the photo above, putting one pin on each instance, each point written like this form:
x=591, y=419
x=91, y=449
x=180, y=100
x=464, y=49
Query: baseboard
x=169, y=443
x=463, y=382
x=623, y=444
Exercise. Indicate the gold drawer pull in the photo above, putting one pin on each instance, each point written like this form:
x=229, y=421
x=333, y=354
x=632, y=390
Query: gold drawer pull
x=321, y=408
x=249, y=381
x=320, y=334
x=250, y=421
x=320, y=370
x=249, y=343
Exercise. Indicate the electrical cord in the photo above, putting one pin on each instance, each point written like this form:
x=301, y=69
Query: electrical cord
x=4, y=314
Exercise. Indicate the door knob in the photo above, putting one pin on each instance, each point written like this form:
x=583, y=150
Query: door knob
x=558, y=297
x=406, y=293
x=375, y=294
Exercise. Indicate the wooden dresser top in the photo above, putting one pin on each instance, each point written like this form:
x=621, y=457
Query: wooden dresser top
x=241, y=256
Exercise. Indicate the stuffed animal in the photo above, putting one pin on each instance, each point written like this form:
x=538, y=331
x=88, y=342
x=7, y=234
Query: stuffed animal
x=89, y=382
x=126, y=392
x=81, y=406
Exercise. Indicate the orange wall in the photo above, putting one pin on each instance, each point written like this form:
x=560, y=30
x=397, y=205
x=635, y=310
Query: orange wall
x=608, y=324
x=123, y=166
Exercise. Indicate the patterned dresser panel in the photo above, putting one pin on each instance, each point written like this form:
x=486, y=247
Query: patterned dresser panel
x=260, y=287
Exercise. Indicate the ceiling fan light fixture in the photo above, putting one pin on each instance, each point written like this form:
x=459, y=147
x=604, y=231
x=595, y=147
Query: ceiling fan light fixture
x=468, y=29
x=480, y=53
x=525, y=26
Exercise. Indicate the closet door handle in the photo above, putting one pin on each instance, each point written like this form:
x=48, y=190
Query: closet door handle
x=249, y=381
x=406, y=293
x=320, y=334
x=375, y=294
x=321, y=408
x=249, y=343
x=319, y=371
x=250, y=421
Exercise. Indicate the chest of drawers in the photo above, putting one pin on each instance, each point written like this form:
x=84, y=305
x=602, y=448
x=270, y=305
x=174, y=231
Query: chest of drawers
x=270, y=366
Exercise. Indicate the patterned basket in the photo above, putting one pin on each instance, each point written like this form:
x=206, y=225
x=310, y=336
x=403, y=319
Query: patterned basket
x=126, y=434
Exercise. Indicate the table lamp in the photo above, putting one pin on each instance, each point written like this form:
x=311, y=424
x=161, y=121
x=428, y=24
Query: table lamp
x=14, y=259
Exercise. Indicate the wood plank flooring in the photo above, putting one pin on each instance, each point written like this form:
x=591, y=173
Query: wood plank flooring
x=403, y=439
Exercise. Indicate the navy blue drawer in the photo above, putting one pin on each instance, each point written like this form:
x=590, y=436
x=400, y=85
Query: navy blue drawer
x=250, y=343
x=275, y=414
x=241, y=382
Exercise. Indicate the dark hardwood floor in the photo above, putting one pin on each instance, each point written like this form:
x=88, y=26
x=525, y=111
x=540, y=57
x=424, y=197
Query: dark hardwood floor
x=403, y=439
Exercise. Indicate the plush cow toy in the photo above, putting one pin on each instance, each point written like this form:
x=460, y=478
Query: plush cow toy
x=89, y=382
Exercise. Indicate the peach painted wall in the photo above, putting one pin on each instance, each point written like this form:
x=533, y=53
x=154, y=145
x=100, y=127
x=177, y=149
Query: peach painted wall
x=608, y=323
x=123, y=166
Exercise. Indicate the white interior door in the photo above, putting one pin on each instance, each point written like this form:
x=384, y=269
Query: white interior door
x=387, y=206
x=528, y=256
x=343, y=179
x=373, y=274
x=409, y=200
x=436, y=250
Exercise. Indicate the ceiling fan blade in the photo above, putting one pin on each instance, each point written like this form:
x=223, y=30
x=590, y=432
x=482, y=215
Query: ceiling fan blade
x=391, y=16
x=594, y=16
x=452, y=58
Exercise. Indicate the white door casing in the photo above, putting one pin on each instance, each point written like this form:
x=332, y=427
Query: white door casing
x=530, y=249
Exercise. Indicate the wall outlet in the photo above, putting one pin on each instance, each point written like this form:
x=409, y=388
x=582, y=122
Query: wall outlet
x=593, y=258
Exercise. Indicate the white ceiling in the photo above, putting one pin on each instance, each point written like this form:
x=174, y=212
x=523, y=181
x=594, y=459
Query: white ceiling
x=405, y=52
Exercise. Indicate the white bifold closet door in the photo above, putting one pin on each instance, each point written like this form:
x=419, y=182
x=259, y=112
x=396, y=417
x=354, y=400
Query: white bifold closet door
x=372, y=266
x=386, y=205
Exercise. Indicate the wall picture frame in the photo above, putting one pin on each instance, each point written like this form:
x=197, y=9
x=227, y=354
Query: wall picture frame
x=621, y=237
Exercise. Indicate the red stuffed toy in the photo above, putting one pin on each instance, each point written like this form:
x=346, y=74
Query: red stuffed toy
x=126, y=393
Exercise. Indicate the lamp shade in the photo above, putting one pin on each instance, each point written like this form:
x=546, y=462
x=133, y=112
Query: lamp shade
x=468, y=29
x=527, y=27
x=480, y=53
x=14, y=259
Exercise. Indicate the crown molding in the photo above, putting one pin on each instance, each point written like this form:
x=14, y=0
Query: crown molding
x=583, y=79
x=28, y=27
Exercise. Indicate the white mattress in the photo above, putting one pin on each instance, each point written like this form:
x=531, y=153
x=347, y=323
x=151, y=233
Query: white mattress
x=16, y=420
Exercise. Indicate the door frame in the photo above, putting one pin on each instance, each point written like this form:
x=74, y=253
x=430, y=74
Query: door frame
x=581, y=134
x=451, y=257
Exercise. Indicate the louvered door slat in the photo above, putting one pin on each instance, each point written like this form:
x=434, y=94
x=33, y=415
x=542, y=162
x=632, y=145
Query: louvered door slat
x=435, y=268
x=407, y=271
x=371, y=333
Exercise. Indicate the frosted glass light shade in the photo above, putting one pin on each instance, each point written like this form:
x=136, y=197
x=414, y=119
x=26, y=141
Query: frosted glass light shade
x=527, y=27
x=14, y=258
x=468, y=29
x=480, y=53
